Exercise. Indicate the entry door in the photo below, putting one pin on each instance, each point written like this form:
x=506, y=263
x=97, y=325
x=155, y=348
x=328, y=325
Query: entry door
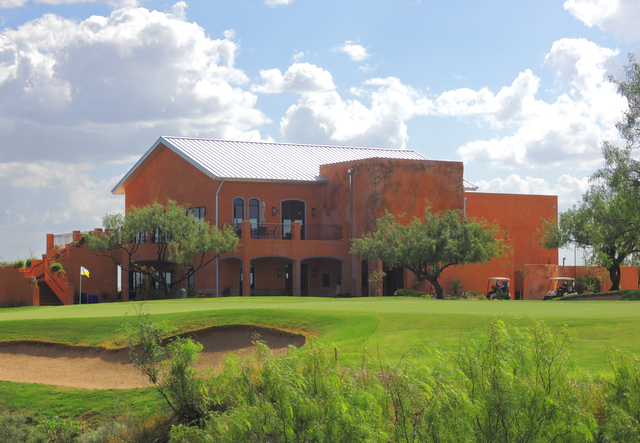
x=304, y=280
x=292, y=210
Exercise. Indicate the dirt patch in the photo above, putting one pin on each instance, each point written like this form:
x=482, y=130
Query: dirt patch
x=99, y=368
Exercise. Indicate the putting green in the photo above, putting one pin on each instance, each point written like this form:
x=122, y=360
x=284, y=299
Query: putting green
x=390, y=324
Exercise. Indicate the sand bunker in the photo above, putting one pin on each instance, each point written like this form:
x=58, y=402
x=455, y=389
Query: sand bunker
x=98, y=368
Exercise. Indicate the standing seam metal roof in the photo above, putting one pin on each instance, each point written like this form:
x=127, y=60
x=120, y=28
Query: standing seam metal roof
x=264, y=160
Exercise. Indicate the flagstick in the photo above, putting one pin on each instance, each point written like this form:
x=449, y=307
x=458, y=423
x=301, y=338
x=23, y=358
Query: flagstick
x=80, y=294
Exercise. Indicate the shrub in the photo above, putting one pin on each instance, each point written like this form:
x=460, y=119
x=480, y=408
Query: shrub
x=27, y=264
x=17, y=429
x=482, y=297
x=105, y=296
x=501, y=296
x=456, y=285
x=19, y=264
x=56, y=267
x=588, y=283
x=61, y=430
x=409, y=293
x=472, y=294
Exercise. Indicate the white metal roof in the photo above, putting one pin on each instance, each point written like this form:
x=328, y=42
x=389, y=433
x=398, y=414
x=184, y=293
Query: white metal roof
x=259, y=161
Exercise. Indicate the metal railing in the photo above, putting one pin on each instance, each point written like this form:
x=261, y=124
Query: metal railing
x=282, y=231
x=322, y=232
x=62, y=240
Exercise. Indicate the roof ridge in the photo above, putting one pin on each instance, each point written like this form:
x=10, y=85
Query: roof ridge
x=286, y=144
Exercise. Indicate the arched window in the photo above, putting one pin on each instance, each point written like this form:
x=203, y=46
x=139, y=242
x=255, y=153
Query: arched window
x=238, y=212
x=254, y=213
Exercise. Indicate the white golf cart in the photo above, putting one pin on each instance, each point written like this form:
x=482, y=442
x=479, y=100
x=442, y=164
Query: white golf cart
x=563, y=286
x=497, y=285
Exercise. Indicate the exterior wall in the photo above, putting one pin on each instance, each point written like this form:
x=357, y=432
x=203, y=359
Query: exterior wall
x=14, y=287
x=103, y=271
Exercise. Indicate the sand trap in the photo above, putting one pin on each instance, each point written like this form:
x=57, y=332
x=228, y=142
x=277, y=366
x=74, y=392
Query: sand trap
x=98, y=368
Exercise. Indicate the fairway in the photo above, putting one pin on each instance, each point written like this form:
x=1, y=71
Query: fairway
x=391, y=325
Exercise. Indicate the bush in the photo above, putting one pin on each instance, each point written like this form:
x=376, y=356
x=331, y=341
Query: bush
x=501, y=296
x=56, y=267
x=105, y=296
x=456, y=285
x=61, y=430
x=19, y=264
x=409, y=293
x=482, y=297
x=18, y=429
x=472, y=294
x=27, y=264
x=588, y=283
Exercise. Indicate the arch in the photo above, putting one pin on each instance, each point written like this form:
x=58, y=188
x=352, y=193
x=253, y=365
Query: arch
x=322, y=276
x=293, y=212
x=230, y=256
x=254, y=212
x=237, y=211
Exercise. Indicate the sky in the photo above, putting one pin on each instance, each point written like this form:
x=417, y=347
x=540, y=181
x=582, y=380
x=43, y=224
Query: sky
x=517, y=90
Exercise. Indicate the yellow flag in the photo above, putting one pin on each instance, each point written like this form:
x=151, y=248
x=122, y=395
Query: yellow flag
x=84, y=271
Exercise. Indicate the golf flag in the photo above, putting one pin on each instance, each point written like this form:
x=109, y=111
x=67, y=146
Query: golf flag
x=84, y=271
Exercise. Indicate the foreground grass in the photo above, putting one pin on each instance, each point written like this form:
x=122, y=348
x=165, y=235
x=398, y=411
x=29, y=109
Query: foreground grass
x=390, y=325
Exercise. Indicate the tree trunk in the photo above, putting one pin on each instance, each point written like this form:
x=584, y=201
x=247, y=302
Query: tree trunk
x=436, y=286
x=614, y=276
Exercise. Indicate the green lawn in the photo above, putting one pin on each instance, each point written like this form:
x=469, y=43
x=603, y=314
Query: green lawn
x=389, y=324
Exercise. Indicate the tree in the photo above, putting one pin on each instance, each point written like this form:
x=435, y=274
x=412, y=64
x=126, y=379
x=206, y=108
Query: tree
x=607, y=221
x=177, y=237
x=427, y=247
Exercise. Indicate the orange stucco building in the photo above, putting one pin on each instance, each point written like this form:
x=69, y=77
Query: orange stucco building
x=295, y=209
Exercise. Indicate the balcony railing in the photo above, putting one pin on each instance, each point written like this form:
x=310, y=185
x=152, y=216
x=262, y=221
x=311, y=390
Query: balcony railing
x=322, y=232
x=62, y=240
x=282, y=231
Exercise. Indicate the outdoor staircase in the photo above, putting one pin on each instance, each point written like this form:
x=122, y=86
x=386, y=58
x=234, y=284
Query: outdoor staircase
x=47, y=296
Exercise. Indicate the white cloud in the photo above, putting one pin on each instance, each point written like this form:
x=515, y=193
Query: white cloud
x=54, y=197
x=116, y=82
x=534, y=133
x=297, y=56
x=327, y=118
x=356, y=52
x=615, y=16
x=569, y=189
x=274, y=3
x=299, y=78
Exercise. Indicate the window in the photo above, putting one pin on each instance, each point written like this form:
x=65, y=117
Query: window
x=141, y=237
x=159, y=237
x=238, y=212
x=254, y=212
x=191, y=280
x=326, y=280
x=198, y=213
x=168, y=276
x=137, y=282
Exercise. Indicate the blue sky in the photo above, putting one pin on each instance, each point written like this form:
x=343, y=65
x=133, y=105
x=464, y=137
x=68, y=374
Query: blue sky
x=517, y=90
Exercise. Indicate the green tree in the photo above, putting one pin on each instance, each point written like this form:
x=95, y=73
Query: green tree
x=607, y=221
x=177, y=237
x=427, y=247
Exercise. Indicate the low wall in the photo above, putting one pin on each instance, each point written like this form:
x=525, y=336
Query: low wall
x=15, y=288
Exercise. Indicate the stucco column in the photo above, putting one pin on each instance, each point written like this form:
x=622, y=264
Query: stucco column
x=295, y=230
x=296, y=265
x=356, y=277
x=49, y=243
x=246, y=257
x=375, y=290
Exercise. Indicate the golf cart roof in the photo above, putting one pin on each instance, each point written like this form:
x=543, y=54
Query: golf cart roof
x=562, y=278
x=498, y=278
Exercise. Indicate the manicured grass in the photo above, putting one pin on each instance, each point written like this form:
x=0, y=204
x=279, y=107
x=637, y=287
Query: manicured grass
x=89, y=405
x=388, y=325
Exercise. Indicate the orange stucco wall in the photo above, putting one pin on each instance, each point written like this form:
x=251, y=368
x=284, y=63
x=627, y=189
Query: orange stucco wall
x=14, y=287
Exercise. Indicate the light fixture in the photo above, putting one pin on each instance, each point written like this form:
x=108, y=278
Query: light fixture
x=315, y=273
x=279, y=272
x=273, y=210
x=313, y=212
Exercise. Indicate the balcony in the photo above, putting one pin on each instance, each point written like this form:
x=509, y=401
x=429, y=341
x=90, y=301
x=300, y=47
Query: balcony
x=283, y=231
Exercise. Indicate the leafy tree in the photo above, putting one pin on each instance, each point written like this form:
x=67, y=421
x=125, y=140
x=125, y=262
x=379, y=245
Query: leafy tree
x=177, y=237
x=607, y=221
x=427, y=247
